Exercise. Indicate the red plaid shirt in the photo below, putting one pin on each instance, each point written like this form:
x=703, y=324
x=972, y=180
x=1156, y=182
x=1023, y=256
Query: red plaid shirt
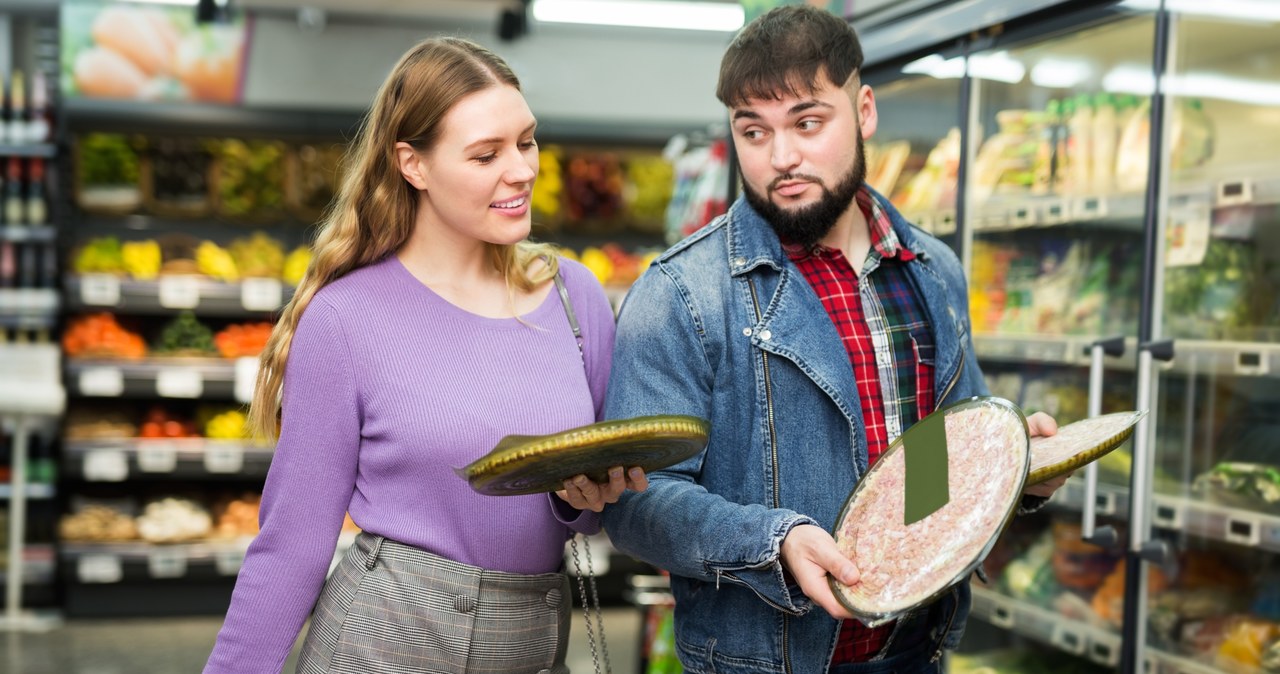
x=890, y=346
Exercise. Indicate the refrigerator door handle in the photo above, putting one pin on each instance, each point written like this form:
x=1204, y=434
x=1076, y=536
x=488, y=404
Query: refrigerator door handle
x=1104, y=536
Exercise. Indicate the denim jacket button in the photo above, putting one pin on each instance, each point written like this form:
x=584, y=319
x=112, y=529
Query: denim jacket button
x=739, y=261
x=746, y=332
x=765, y=335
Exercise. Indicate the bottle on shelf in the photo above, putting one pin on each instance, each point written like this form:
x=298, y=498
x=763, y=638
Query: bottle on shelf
x=15, y=131
x=1046, y=149
x=30, y=255
x=8, y=265
x=37, y=209
x=40, y=128
x=14, y=199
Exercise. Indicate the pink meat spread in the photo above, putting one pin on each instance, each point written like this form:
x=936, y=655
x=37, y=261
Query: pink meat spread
x=904, y=565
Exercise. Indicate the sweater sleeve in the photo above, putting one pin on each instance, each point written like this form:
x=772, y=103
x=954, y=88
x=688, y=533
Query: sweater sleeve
x=307, y=492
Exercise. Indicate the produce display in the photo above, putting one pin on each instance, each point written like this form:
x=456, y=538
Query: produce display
x=103, y=255
x=162, y=423
x=237, y=517
x=185, y=335
x=903, y=565
x=593, y=187
x=101, y=336
x=295, y=265
x=250, y=178
x=98, y=523
x=314, y=175
x=547, y=190
x=228, y=425
x=243, y=339
x=173, y=520
x=177, y=180
x=258, y=255
x=96, y=424
x=107, y=173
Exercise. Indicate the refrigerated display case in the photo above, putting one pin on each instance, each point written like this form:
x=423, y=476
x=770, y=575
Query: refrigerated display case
x=1117, y=191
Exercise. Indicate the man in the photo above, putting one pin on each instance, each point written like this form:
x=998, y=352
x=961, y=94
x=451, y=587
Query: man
x=811, y=324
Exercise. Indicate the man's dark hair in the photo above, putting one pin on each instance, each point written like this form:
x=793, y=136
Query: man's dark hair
x=784, y=52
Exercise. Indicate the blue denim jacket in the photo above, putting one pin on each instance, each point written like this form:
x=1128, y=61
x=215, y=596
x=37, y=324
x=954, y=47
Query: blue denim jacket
x=723, y=326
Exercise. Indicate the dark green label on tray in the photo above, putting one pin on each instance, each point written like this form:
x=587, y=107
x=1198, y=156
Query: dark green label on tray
x=926, y=481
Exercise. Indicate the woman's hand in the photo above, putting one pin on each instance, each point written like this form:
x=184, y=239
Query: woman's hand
x=583, y=494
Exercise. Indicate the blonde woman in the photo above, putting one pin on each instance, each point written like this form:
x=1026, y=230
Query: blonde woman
x=426, y=329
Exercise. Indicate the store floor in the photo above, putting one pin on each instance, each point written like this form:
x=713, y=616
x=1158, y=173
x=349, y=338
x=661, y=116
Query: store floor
x=180, y=646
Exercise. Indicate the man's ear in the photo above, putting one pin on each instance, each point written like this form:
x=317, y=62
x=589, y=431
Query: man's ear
x=867, y=115
x=411, y=165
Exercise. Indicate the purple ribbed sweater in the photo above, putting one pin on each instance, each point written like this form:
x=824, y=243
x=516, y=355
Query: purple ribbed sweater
x=388, y=387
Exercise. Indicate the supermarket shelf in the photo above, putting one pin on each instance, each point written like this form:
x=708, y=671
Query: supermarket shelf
x=1191, y=357
x=1211, y=521
x=104, y=563
x=1071, y=636
x=204, y=378
x=116, y=460
x=29, y=308
x=47, y=150
x=170, y=294
x=36, y=491
x=28, y=233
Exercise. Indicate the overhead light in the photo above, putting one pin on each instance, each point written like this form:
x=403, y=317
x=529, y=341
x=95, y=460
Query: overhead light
x=713, y=16
x=1057, y=73
x=998, y=66
x=183, y=3
x=1128, y=78
x=1254, y=11
x=1225, y=87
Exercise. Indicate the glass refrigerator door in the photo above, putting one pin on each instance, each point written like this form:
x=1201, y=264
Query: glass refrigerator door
x=1055, y=267
x=1214, y=604
x=914, y=156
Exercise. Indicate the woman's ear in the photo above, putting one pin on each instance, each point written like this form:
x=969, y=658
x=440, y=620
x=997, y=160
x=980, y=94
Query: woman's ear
x=411, y=165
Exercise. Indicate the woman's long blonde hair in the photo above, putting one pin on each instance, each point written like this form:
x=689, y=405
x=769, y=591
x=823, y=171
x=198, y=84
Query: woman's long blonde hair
x=374, y=212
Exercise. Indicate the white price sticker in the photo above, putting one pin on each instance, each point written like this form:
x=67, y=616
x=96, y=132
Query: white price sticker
x=100, y=290
x=1104, y=653
x=1251, y=363
x=99, y=568
x=1056, y=212
x=165, y=562
x=1243, y=531
x=1105, y=503
x=102, y=381
x=1235, y=192
x=105, y=465
x=179, y=382
x=261, y=294
x=1068, y=639
x=246, y=379
x=157, y=457
x=223, y=458
x=1002, y=615
x=179, y=292
x=228, y=562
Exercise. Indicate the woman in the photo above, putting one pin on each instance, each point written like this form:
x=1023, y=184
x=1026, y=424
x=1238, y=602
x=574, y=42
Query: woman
x=426, y=330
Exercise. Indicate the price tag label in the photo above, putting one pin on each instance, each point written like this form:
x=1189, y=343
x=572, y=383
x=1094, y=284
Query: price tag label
x=1056, y=212
x=179, y=382
x=1002, y=615
x=1251, y=363
x=99, y=568
x=179, y=292
x=102, y=381
x=165, y=562
x=1169, y=515
x=261, y=294
x=1235, y=192
x=1104, y=653
x=105, y=465
x=1090, y=208
x=1022, y=216
x=223, y=458
x=1105, y=503
x=1068, y=639
x=100, y=290
x=246, y=379
x=228, y=562
x=157, y=457
x=1242, y=531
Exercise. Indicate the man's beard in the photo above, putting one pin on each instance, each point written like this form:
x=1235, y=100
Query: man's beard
x=806, y=226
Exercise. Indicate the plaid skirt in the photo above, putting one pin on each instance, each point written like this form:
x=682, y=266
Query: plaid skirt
x=390, y=607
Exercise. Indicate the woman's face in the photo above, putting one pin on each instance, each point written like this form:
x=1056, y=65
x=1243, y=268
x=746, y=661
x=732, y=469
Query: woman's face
x=479, y=175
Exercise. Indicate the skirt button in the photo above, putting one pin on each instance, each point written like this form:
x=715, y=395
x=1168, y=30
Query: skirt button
x=553, y=598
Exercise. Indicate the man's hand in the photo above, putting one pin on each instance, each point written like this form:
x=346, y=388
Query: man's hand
x=809, y=554
x=580, y=492
x=1042, y=425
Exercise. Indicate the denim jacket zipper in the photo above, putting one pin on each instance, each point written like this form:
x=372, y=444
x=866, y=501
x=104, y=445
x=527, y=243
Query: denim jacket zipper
x=773, y=446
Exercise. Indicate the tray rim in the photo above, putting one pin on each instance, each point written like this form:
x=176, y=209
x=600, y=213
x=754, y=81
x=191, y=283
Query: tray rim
x=1046, y=473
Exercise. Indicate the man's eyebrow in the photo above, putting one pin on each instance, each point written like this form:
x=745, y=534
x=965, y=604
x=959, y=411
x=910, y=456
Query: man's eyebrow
x=807, y=105
x=744, y=114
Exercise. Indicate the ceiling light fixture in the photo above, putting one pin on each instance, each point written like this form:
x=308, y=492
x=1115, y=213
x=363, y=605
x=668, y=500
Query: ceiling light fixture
x=673, y=14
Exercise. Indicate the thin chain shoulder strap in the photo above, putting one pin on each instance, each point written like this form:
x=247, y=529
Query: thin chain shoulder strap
x=591, y=601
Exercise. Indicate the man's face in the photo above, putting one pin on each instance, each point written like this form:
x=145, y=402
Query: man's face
x=802, y=157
